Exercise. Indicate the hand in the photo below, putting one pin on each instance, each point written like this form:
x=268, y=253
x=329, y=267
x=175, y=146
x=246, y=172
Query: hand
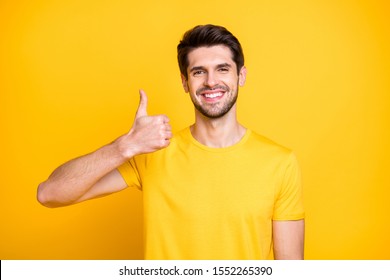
x=148, y=134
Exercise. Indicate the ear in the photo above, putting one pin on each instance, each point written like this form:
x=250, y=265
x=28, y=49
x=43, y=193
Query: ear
x=184, y=83
x=242, y=76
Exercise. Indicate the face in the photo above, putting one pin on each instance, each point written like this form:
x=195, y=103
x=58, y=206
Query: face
x=213, y=80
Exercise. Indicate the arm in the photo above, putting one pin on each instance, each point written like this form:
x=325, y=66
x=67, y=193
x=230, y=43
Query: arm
x=95, y=174
x=288, y=238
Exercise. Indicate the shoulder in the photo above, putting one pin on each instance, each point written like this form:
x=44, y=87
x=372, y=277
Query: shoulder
x=265, y=144
x=263, y=149
x=182, y=135
x=181, y=139
x=177, y=143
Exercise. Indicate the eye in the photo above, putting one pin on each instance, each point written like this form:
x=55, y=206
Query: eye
x=223, y=69
x=198, y=73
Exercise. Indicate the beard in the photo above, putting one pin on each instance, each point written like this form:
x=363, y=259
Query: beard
x=216, y=110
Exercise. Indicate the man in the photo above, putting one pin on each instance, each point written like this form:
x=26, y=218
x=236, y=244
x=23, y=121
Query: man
x=216, y=190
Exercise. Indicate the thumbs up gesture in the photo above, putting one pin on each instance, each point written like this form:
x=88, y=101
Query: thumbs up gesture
x=148, y=134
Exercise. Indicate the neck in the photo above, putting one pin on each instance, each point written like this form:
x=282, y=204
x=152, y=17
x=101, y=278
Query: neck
x=217, y=133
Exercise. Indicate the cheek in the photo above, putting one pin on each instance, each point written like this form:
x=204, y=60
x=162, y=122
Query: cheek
x=194, y=85
x=231, y=83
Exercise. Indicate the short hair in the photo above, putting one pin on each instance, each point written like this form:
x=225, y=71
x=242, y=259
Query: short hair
x=207, y=36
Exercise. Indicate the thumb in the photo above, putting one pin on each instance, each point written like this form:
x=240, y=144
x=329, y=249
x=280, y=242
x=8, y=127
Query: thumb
x=143, y=103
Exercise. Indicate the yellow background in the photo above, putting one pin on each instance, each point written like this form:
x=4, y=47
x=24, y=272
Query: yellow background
x=318, y=82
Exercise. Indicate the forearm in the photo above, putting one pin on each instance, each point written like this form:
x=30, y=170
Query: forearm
x=74, y=178
x=94, y=174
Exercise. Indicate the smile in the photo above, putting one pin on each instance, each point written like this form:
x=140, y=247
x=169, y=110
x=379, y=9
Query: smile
x=213, y=95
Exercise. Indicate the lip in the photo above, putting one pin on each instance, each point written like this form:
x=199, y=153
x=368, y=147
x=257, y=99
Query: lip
x=212, y=95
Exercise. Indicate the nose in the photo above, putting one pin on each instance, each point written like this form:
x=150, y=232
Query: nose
x=210, y=80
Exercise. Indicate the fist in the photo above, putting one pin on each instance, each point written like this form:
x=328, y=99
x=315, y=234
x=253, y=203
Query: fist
x=149, y=133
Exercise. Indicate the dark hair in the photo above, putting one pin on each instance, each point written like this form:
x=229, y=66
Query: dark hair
x=207, y=36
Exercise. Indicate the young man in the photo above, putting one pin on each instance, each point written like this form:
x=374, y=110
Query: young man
x=216, y=190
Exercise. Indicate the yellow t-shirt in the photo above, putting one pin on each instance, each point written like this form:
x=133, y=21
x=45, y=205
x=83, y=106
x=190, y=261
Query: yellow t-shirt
x=215, y=203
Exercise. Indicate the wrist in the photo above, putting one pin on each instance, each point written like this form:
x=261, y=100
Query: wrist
x=124, y=148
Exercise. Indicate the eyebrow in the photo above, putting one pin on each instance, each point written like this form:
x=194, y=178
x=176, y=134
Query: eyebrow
x=195, y=68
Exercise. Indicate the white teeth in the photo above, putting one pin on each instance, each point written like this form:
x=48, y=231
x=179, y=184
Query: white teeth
x=213, y=95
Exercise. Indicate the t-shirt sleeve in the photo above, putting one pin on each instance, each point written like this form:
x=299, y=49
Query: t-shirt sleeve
x=130, y=174
x=289, y=198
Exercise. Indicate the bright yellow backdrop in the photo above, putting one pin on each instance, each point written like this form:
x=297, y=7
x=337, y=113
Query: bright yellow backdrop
x=318, y=82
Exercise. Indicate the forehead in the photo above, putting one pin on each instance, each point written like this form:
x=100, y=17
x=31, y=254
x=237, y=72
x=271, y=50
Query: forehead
x=208, y=56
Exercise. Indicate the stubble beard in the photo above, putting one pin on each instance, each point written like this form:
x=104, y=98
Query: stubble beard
x=214, y=111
